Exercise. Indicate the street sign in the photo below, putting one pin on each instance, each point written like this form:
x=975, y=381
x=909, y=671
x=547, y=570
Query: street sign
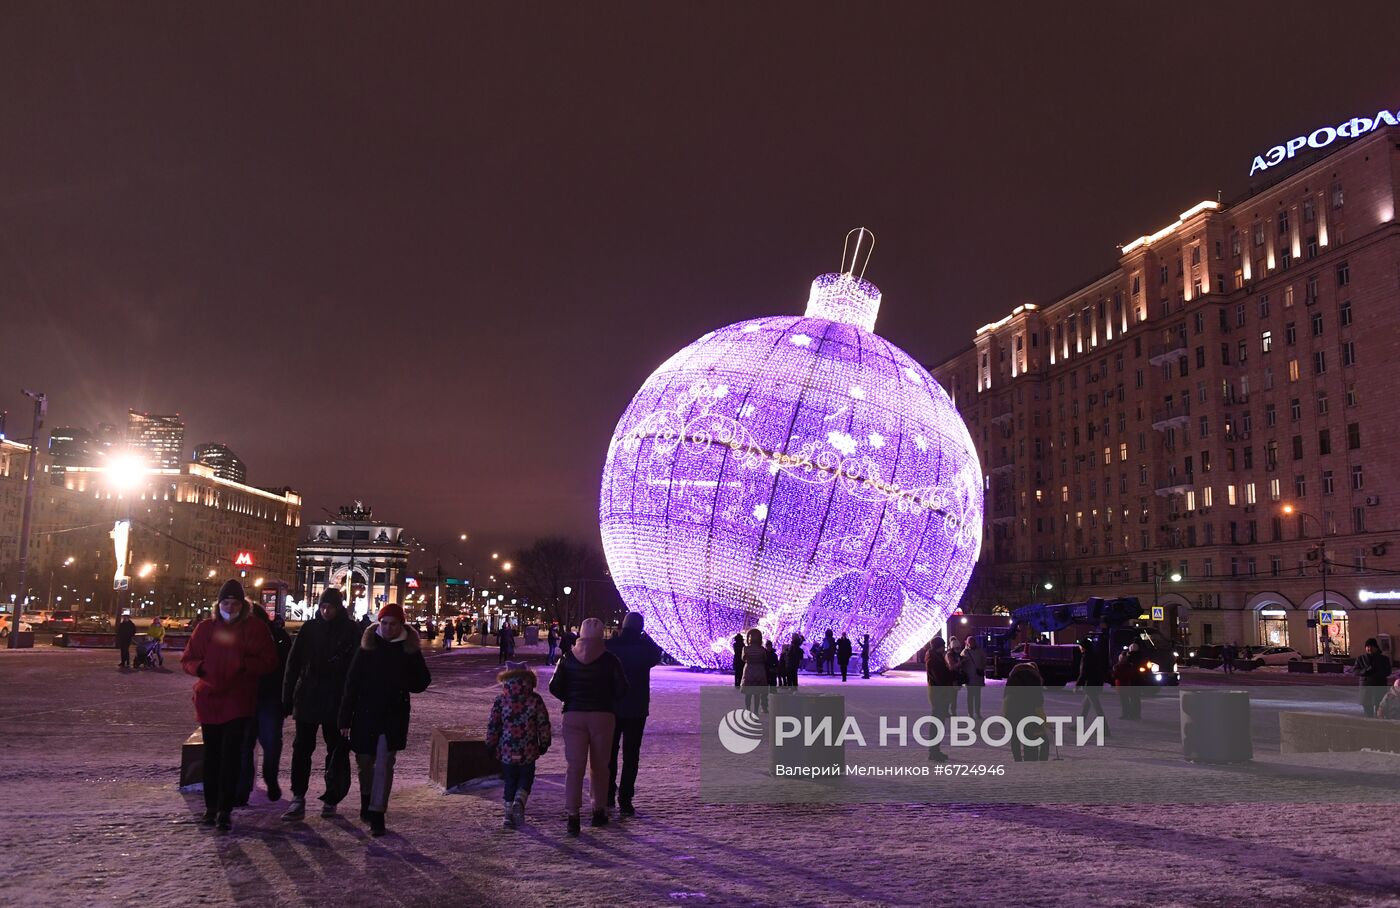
x=1324, y=618
x=243, y=559
x=1159, y=613
x=121, y=583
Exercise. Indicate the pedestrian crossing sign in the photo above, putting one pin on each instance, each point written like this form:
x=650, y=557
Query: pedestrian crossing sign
x=1159, y=613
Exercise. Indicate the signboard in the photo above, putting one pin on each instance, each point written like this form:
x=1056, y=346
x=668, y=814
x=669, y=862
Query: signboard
x=1321, y=137
x=411, y=582
x=243, y=559
x=1159, y=613
x=121, y=583
x=1324, y=618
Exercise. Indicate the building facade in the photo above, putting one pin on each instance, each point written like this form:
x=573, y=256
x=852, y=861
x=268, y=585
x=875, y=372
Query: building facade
x=366, y=559
x=225, y=463
x=158, y=439
x=190, y=531
x=1215, y=408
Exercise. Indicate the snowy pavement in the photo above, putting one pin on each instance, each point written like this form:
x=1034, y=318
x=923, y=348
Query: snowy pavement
x=89, y=808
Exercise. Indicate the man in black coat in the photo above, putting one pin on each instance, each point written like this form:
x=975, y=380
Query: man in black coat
x=311, y=692
x=374, y=712
x=266, y=728
x=1372, y=671
x=126, y=632
x=843, y=654
x=638, y=654
x=738, y=658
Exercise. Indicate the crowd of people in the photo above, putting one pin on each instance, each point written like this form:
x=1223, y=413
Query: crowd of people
x=351, y=684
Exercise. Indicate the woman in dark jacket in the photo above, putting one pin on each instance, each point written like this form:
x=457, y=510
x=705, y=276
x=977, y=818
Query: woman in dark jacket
x=1090, y=680
x=311, y=689
x=374, y=710
x=589, y=681
x=942, y=691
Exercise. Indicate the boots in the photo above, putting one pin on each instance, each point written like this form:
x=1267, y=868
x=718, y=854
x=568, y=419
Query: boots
x=296, y=810
x=573, y=826
x=508, y=816
x=364, y=804
x=376, y=823
x=518, y=808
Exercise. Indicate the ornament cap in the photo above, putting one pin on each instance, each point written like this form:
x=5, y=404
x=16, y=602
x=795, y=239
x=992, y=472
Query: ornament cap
x=848, y=297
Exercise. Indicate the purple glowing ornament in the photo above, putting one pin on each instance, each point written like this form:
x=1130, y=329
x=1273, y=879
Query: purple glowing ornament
x=793, y=474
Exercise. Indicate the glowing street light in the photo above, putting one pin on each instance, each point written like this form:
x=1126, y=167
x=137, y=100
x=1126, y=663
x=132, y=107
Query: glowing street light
x=146, y=570
x=124, y=472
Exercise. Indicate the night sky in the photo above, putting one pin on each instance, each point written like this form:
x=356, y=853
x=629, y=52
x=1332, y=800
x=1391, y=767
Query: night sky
x=424, y=255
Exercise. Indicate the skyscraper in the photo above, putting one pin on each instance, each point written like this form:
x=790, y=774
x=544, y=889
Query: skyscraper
x=159, y=439
x=226, y=464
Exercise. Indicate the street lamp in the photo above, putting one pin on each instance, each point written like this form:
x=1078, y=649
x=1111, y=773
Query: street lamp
x=1321, y=549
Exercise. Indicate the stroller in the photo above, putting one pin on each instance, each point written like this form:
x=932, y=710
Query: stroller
x=147, y=655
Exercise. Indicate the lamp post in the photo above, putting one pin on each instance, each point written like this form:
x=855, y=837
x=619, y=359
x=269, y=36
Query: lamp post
x=41, y=406
x=124, y=475
x=1157, y=577
x=1321, y=551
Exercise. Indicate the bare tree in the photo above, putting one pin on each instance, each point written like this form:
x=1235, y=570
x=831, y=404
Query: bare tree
x=553, y=562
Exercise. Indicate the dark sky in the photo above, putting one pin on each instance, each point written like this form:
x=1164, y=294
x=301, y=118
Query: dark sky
x=423, y=255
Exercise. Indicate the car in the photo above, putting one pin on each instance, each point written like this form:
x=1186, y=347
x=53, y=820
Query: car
x=57, y=622
x=1196, y=654
x=1276, y=655
x=24, y=626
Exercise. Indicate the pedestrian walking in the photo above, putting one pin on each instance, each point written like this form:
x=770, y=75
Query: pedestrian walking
x=770, y=663
x=843, y=654
x=312, y=686
x=566, y=642
x=1227, y=658
x=518, y=734
x=449, y=630
x=639, y=654
x=156, y=633
x=828, y=664
x=738, y=659
x=461, y=630
x=941, y=681
x=974, y=663
x=374, y=712
x=1372, y=670
x=794, y=661
x=865, y=657
x=589, y=681
x=1022, y=703
x=506, y=639
x=1090, y=680
x=754, y=681
x=226, y=654
x=1125, y=679
x=954, y=657
x=265, y=730
x=126, y=632
x=552, y=640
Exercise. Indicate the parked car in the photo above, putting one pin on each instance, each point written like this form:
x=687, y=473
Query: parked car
x=24, y=626
x=1276, y=655
x=1194, y=655
x=60, y=621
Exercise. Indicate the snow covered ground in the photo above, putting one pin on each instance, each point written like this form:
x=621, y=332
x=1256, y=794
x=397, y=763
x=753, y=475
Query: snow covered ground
x=91, y=815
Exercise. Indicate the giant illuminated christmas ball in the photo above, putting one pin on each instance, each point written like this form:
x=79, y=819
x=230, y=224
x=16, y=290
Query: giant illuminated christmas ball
x=793, y=474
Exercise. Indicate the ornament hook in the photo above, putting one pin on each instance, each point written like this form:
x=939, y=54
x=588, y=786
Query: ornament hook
x=863, y=237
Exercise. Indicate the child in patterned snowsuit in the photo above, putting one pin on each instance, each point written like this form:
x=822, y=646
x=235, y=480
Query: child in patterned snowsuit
x=518, y=733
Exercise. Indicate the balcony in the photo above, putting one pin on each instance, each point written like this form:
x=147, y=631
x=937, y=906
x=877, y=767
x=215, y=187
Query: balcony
x=1161, y=353
x=1170, y=418
x=1169, y=484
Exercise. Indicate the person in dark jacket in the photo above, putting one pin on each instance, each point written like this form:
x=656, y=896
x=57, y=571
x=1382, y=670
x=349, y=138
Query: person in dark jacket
x=226, y=655
x=589, y=680
x=553, y=641
x=506, y=639
x=266, y=728
x=1024, y=699
x=374, y=711
x=942, y=690
x=794, y=658
x=311, y=690
x=638, y=654
x=1090, y=680
x=770, y=663
x=843, y=654
x=1372, y=670
x=566, y=642
x=865, y=657
x=1125, y=679
x=738, y=659
x=828, y=660
x=126, y=632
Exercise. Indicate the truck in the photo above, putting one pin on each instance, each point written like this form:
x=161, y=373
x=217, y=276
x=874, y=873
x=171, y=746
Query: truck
x=1106, y=627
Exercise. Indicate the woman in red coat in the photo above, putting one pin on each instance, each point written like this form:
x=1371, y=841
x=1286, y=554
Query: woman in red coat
x=227, y=654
